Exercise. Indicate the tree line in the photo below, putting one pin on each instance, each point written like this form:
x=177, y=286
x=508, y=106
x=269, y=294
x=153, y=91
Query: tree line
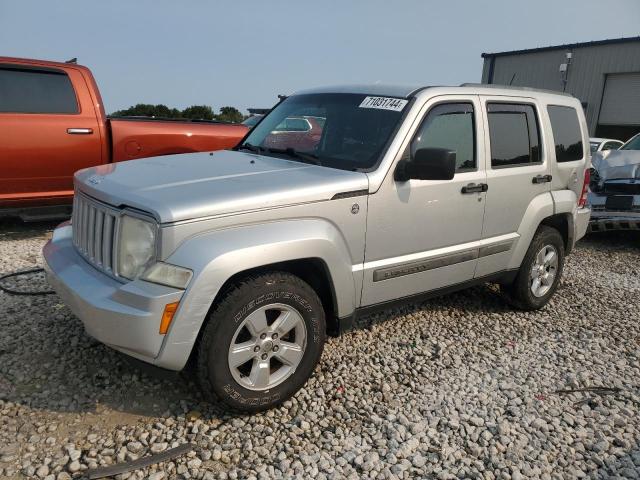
x=194, y=112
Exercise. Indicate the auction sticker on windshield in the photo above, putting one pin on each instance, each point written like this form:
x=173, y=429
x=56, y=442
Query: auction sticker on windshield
x=384, y=103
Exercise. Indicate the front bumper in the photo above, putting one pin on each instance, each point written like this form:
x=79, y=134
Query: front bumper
x=124, y=316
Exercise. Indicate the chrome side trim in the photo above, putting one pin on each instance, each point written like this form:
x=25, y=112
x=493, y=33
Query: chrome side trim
x=417, y=267
x=422, y=261
x=496, y=248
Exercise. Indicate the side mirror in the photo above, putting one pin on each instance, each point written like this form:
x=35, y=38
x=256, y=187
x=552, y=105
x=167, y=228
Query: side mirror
x=427, y=164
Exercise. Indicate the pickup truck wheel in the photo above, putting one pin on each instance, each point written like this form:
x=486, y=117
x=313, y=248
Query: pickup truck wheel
x=261, y=342
x=540, y=272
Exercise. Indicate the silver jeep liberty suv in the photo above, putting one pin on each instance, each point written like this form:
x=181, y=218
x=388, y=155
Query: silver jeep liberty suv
x=340, y=201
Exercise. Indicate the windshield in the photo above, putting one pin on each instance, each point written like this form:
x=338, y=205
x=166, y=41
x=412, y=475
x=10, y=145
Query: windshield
x=346, y=131
x=633, y=144
x=594, y=146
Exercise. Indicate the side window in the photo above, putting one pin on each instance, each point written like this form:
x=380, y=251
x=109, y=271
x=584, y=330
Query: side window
x=513, y=132
x=566, y=133
x=36, y=91
x=450, y=126
x=611, y=146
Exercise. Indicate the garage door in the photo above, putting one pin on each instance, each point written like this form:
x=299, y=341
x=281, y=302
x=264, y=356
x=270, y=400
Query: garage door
x=621, y=100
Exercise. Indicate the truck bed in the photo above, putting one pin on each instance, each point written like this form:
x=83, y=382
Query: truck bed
x=136, y=137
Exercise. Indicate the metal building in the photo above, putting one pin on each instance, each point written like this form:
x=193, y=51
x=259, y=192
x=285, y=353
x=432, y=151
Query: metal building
x=604, y=75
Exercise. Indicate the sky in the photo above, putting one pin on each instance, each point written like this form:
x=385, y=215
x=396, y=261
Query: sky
x=244, y=53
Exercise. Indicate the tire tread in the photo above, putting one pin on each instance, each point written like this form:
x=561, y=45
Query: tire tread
x=230, y=298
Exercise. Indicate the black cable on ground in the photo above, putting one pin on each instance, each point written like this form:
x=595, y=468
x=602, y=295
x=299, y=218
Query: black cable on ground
x=23, y=292
x=120, y=468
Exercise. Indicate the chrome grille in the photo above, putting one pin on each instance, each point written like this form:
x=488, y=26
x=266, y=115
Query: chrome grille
x=94, y=230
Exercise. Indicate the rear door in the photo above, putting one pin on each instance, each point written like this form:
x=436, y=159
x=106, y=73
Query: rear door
x=48, y=130
x=517, y=172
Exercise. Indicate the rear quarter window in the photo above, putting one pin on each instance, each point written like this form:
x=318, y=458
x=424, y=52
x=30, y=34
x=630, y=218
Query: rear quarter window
x=36, y=91
x=567, y=136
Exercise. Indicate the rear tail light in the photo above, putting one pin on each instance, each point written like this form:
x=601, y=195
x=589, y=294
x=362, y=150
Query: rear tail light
x=585, y=189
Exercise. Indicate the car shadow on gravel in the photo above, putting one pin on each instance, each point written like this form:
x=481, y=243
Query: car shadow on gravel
x=48, y=363
x=622, y=465
x=15, y=229
x=612, y=240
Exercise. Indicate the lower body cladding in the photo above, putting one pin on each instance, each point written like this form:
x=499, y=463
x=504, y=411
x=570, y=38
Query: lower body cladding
x=614, y=212
x=123, y=316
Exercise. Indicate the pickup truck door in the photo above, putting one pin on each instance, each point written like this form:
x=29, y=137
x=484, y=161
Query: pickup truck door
x=517, y=172
x=48, y=130
x=423, y=235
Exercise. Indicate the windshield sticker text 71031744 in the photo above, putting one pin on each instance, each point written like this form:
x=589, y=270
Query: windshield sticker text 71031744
x=384, y=103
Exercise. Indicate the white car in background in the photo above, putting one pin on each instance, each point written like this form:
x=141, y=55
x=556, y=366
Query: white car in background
x=604, y=144
x=614, y=189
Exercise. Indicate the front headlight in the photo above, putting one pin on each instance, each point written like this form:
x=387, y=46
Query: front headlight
x=136, y=246
x=167, y=274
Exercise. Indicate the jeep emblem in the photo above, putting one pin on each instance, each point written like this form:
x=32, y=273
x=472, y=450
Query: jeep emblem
x=95, y=179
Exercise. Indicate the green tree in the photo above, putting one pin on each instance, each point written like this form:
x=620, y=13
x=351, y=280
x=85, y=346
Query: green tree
x=148, y=110
x=199, y=112
x=230, y=114
x=196, y=112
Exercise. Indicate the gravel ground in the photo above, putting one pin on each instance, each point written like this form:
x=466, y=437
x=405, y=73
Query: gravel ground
x=461, y=386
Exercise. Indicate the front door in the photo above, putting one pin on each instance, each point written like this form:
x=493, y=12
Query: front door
x=423, y=235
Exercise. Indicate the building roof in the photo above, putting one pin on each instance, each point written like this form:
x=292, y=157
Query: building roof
x=566, y=46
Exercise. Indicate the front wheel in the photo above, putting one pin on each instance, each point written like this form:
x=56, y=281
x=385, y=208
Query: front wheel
x=540, y=271
x=262, y=342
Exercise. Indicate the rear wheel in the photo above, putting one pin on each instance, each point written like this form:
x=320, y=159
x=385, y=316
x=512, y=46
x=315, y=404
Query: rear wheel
x=540, y=272
x=261, y=342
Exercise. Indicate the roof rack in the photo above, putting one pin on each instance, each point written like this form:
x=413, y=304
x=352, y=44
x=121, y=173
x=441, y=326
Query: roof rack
x=514, y=87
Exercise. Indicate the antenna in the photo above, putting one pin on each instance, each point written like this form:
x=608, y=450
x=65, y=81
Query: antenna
x=74, y=60
x=512, y=79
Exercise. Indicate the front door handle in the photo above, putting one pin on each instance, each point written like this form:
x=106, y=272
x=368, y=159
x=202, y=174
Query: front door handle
x=475, y=188
x=79, y=131
x=542, y=179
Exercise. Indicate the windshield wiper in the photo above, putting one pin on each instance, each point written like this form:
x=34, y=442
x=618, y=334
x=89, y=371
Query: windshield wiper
x=292, y=152
x=250, y=147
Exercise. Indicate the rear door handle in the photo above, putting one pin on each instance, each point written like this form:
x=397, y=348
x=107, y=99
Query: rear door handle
x=475, y=188
x=542, y=179
x=79, y=131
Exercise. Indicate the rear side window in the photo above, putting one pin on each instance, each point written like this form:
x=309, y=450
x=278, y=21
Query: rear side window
x=514, y=135
x=450, y=126
x=36, y=91
x=566, y=133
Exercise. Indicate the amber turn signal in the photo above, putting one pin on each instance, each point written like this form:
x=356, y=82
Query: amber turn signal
x=167, y=316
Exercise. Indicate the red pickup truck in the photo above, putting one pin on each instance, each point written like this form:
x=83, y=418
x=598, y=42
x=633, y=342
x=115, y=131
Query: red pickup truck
x=52, y=123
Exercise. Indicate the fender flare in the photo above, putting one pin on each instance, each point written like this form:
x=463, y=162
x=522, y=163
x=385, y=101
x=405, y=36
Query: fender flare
x=539, y=208
x=216, y=256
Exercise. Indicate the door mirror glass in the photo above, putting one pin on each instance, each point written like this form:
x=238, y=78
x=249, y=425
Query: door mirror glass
x=428, y=164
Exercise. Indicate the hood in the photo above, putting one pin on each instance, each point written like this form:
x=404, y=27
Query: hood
x=196, y=185
x=617, y=164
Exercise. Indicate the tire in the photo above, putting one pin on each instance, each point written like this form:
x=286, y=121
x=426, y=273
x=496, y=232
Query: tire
x=521, y=292
x=277, y=366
